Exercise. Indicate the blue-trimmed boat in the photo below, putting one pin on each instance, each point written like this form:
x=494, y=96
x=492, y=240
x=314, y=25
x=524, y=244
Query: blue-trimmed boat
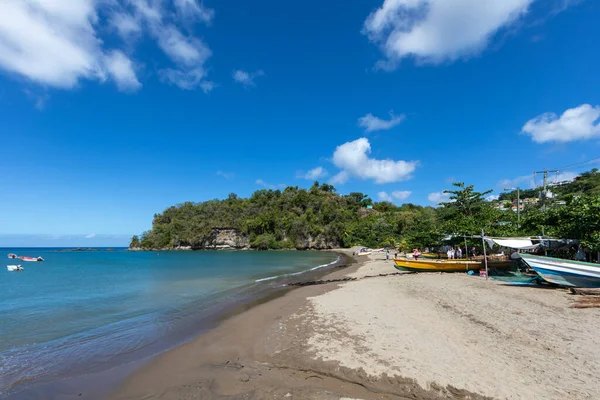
x=565, y=272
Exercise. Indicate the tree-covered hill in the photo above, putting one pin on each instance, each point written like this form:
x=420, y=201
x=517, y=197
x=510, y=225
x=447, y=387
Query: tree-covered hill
x=291, y=218
x=321, y=218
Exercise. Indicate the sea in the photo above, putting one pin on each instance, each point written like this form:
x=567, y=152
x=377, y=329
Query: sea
x=78, y=314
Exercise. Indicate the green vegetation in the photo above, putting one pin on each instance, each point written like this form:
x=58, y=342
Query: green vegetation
x=321, y=218
x=588, y=183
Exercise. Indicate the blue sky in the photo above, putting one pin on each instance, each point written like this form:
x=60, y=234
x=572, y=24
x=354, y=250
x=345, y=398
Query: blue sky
x=114, y=110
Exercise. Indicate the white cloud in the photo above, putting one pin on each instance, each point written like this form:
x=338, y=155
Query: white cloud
x=383, y=196
x=371, y=123
x=226, y=175
x=397, y=195
x=90, y=236
x=191, y=9
x=401, y=194
x=315, y=173
x=579, y=123
x=353, y=159
x=492, y=197
x=247, y=78
x=260, y=182
x=528, y=181
x=189, y=55
x=186, y=51
x=525, y=181
x=563, y=177
x=58, y=43
x=207, y=86
x=50, y=42
x=126, y=25
x=120, y=67
x=186, y=79
x=340, y=178
x=438, y=197
x=434, y=31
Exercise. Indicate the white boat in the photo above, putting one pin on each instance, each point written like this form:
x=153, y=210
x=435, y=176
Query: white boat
x=364, y=252
x=12, y=268
x=565, y=272
x=30, y=259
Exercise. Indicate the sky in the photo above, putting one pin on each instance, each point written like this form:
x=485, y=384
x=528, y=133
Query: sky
x=113, y=110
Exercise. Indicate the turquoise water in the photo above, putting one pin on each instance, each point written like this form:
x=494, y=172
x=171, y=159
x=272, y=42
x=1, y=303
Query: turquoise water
x=78, y=312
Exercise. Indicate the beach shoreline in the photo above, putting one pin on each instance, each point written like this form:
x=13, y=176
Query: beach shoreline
x=99, y=381
x=96, y=381
x=424, y=336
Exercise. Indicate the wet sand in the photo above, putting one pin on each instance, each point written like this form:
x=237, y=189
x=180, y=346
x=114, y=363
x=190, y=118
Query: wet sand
x=413, y=336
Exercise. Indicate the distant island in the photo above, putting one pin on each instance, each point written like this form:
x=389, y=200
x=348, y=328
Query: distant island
x=320, y=218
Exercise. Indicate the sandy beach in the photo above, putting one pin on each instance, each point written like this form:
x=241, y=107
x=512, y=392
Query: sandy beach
x=401, y=336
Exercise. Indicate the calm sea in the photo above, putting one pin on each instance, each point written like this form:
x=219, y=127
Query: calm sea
x=81, y=312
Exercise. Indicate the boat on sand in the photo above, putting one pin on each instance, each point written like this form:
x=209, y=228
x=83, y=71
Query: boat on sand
x=448, y=265
x=436, y=265
x=364, y=252
x=565, y=272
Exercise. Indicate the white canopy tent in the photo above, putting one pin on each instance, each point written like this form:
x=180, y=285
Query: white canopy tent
x=513, y=243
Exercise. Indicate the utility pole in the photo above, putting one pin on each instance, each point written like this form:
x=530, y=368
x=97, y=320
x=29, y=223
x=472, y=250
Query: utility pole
x=545, y=173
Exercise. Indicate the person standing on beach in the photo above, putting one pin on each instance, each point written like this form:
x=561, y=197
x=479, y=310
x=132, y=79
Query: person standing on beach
x=459, y=253
x=450, y=253
x=416, y=254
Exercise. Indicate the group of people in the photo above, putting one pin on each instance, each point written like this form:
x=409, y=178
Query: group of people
x=454, y=254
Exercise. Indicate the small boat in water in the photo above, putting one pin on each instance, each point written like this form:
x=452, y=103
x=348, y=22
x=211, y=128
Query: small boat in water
x=12, y=256
x=30, y=259
x=564, y=272
x=13, y=268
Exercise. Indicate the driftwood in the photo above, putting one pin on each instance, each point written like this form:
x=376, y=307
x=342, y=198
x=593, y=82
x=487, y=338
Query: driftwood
x=587, y=302
x=585, y=292
x=323, y=282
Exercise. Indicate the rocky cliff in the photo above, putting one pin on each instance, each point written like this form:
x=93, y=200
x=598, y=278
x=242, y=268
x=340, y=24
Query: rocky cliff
x=226, y=238
x=234, y=239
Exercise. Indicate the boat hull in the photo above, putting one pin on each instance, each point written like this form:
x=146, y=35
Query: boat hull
x=565, y=272
x=30, y=259
x=435, y=256
x=402, y=264
x=436, y=265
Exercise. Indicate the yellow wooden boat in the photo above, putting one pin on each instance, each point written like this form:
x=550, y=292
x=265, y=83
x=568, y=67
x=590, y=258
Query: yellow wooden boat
x=435, y=255
x=436, y=265
x=446, y=265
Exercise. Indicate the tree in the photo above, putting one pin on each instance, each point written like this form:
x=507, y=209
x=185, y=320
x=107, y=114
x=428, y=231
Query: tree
x=465, y=199
x=580, y=219
x=468, y=213
x=135, y=242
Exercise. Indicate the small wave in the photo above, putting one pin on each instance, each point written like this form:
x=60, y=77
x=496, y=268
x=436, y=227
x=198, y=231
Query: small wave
x=270, y=278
